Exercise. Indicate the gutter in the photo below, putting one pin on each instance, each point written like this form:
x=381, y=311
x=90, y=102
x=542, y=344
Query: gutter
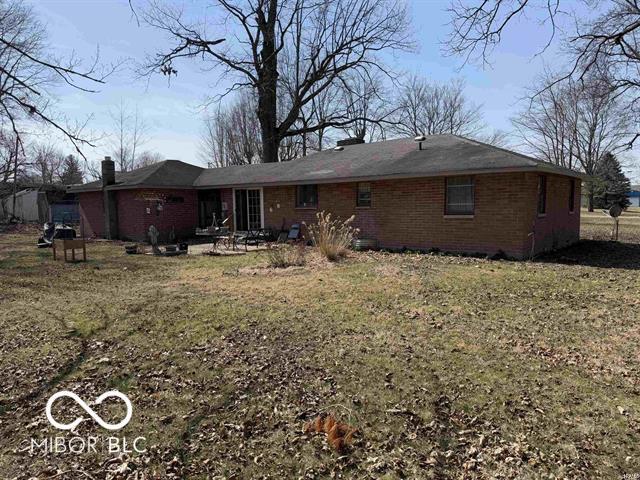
x=542, y=168
x=400, y=176
x=128, y=187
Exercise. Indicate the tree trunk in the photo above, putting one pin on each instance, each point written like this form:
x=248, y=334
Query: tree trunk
x=591, y=201
x=268, y=84
x=15, y=176
x=270, y=138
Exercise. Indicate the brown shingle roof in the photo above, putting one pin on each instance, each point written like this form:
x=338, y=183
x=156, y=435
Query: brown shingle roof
x=440, y=155
x=400, y=158
x=167, y=174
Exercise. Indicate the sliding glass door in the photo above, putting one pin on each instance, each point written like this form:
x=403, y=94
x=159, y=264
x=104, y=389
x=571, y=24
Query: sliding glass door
x=248, y=209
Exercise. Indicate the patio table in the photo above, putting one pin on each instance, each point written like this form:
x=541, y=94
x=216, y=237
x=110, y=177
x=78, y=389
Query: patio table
x=217, y=236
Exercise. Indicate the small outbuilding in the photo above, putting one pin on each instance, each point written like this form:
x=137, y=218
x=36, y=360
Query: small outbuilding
x=41, y=204
x=634, y=196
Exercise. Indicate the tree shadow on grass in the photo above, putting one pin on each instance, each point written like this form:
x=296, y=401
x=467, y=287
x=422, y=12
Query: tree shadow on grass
x=597, y=253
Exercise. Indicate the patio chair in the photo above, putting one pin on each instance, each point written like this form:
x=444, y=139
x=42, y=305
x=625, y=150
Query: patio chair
x=254, y=236
x=282, y=235
x=294, y=233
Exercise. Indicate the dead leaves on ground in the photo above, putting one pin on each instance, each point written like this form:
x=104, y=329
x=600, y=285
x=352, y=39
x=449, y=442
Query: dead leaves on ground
x=339, y=435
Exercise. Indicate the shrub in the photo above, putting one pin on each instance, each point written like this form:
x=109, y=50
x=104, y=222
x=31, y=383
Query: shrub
x=332, y=237
x=283, y=256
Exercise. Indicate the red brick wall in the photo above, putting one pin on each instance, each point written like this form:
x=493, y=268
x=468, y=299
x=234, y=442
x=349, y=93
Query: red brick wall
x=410, y=213
x=558, y=227
x=134, y=221
x=403, y=213
x=92, y=213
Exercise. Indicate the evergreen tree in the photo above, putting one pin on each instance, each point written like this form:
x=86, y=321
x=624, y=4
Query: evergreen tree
x=610, y=185
x=71, y=171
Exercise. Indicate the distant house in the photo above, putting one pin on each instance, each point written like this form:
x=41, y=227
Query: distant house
x=40, y=204
x=634, y=196
x=445, y=192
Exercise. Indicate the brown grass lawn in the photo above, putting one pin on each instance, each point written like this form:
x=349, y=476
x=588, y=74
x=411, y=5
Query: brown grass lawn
x=596, y=225
x=449, y=367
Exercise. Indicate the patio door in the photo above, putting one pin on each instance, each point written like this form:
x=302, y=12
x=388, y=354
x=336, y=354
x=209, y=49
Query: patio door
x=248, y=209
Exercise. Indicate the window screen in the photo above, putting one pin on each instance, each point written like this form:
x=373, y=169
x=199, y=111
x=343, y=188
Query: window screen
x=460, y=196
x=364, y=195
x=542, y=194
x=572, y=195
x=307, y=196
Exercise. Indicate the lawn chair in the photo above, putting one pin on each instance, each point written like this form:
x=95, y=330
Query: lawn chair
x=255, y=237
x=283, y=234
x=294, y=233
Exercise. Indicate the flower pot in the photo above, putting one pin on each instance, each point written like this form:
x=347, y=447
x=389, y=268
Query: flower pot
x=131, y=249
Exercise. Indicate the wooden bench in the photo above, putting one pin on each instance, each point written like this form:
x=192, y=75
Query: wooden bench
x=70, y=244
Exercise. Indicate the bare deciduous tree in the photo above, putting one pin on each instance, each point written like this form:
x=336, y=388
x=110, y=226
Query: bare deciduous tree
x=131, y=132
x=497, y=138
x=546, y=127
x=231, y=135
x=606, y=42
x=147, y=158
x=364, y=101
x=28, y=70
x=574, y=124
x=353, y=104
x=8, y=156
x=46, y=162
x=428, y=108
x=327, y=39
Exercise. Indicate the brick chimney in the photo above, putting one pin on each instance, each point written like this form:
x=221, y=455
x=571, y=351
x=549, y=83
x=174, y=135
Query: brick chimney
x=108, y=172
x=109, y=201
x=350, y=141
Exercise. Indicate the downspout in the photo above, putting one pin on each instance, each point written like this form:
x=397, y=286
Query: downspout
x=532, y=234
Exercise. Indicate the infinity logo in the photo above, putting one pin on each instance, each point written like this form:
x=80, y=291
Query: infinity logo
x=89, y=410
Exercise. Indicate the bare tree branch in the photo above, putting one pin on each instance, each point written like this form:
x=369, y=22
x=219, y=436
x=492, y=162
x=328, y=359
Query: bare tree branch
x=27, y=71
x=319, y=43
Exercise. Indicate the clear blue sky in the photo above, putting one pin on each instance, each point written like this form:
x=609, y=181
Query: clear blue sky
x=173, y=111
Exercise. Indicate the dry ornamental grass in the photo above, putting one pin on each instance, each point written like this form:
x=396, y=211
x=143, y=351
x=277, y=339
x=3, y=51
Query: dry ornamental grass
x=283, y=256
x=332, y=237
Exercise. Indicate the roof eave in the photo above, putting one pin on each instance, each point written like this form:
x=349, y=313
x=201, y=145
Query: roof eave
x=130, y=187
x=370, y=178
x=81, y=189
x=541, y=168
x=553, y=169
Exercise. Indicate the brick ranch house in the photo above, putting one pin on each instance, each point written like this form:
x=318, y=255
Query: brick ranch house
x=445, y=192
